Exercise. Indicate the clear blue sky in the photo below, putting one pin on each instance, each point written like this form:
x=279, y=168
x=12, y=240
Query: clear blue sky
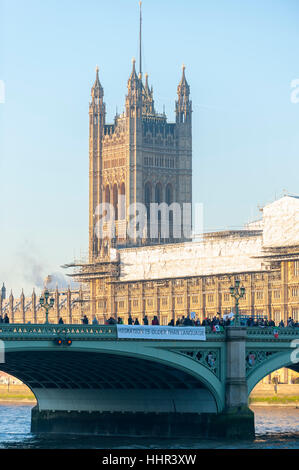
x=240, y=56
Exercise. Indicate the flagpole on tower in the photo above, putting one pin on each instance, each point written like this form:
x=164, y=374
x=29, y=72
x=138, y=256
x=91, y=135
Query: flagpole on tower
x=140, y=41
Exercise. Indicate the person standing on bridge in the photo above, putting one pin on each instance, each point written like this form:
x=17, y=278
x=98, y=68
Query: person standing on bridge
x=6, y=318
x=187, y=321
x=290, y=322
x=145, y=320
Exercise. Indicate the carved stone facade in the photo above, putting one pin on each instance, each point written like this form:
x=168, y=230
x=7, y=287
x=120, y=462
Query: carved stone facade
x=146, y=159
x=268, y=294
x=173, y=280
x=70, y=305
x=140, y=158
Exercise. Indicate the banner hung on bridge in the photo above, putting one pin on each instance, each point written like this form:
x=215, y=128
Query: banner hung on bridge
x=191, y=333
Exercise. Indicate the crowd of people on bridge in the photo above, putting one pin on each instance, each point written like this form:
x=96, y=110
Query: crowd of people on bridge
x=4, y=319
x=216, y=323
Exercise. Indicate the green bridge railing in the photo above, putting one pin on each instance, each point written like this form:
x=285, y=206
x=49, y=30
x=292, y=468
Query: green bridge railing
x=41, y=331
x=104, y=332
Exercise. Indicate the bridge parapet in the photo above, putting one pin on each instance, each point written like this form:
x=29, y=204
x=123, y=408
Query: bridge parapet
x=104, y=332
x=92, y=332
x=267, y=333
x=40, y=331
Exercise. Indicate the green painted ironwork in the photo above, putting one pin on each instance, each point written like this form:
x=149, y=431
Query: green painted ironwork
x=46, y=303
x=268, y=332
x=48, y=331
x=23, y=331
x=209, y=358
x=110, y=331
x=255, y=357
x=237, y=293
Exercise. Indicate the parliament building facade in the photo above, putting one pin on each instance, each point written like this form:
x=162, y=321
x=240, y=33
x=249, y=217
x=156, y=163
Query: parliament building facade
x=146, y=159
x=142, y=158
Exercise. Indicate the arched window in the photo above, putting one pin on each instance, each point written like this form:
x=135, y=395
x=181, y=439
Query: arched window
x=148, y=194
x=169, y=194
x=107, y=194
x=158, y=200
x=122, y=204
x=115, y=201
x=158, y=193
x=169, y=201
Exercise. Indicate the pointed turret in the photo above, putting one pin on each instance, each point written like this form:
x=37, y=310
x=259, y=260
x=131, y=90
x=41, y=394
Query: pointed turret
x=97, y=116
x=22, y=302
x=133, y=82
x=11, y=306
x=97, y=105
x=146, y=86
x=134, y=97
x=3, y=292
x=183, y=104
x=147, y=98
x=183, y=87
x=97, y=89
x=33, y=297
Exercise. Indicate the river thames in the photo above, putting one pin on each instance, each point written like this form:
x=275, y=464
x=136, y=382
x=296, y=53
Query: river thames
x=276, y=428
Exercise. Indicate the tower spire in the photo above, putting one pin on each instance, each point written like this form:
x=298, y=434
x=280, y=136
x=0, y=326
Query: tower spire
x=97, y=89
x=183, y=103
x=140, y=41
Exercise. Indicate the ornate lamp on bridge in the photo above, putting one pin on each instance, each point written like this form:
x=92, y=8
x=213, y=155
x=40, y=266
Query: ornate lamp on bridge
x=45, y=304
x=237, y=293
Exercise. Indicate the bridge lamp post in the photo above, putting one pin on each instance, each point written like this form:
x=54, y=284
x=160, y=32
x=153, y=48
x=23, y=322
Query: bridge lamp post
x=44, y=303
x=237, y=293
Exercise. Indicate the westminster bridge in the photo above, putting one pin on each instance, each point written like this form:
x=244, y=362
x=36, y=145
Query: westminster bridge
x=86, y=379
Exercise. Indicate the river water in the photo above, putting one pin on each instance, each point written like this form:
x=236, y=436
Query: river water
x=276, y=428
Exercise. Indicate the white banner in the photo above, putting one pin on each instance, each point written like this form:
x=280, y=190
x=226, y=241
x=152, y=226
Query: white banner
x=228, y=316
x=191, y=333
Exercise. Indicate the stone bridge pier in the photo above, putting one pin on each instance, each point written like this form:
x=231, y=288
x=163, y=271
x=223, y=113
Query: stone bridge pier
x=237, y=418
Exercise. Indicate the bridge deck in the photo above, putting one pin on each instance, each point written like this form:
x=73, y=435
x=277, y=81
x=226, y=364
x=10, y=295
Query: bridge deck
x=109, y=332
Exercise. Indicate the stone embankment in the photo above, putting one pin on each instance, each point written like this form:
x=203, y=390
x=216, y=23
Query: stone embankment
x=16, y=394
x=271, y=394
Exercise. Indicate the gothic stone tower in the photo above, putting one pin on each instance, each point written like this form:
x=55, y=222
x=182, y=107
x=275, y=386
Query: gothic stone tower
x=140, y=158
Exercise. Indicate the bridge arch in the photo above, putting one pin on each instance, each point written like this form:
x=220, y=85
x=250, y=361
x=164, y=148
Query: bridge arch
x=177, y=361
x=89, y=373
x=279, y=360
